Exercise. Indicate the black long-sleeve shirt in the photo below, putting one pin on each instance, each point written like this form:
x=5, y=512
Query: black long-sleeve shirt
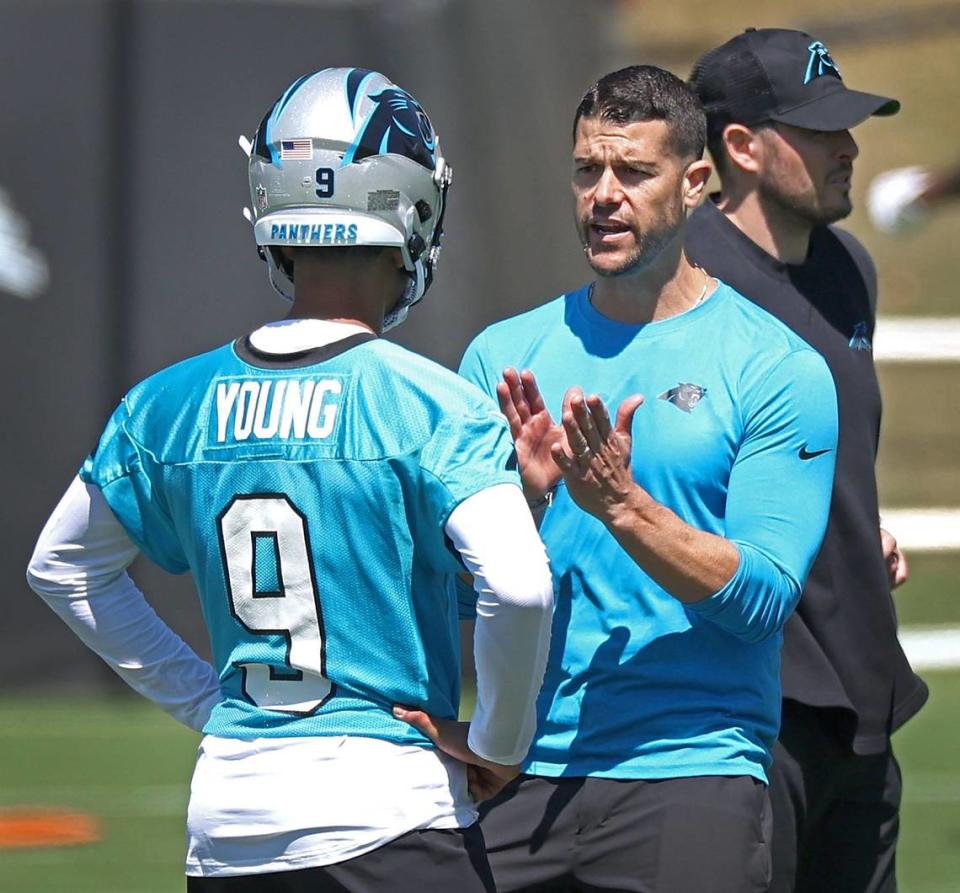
x=840, y=648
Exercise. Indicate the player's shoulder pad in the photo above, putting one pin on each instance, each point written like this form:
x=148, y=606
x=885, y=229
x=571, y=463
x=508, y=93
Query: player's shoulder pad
x=170, y=386
x=415, y=373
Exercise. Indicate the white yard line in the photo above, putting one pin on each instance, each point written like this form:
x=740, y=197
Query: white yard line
x=917, y=339
x=924, y=530
x=931, y=648
x=901, y=339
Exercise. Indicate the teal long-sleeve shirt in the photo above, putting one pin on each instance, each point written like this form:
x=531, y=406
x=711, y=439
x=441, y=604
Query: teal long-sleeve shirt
x=737, y=436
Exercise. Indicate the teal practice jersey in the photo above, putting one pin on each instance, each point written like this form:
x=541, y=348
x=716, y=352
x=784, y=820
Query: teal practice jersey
x=737, y=436
x=308, y=498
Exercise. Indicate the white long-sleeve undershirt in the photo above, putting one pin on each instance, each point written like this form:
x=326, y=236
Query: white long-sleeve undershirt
x=499, y=544
x=79, y=568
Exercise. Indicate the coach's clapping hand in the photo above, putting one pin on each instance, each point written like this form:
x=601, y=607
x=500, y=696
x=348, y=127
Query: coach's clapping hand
x=595, y=457
x=485, y=779
x=534, y=431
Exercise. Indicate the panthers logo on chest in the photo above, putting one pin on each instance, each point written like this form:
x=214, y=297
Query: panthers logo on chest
x=685, y=395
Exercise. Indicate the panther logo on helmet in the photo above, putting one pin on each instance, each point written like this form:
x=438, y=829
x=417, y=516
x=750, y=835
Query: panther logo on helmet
x=398, y=125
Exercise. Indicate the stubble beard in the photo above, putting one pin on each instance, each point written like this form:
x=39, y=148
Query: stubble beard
x=806, y=206
x=649, y=246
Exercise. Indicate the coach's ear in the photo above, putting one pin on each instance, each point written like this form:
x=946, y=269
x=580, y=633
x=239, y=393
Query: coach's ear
x=695, y=181
x=743, y=146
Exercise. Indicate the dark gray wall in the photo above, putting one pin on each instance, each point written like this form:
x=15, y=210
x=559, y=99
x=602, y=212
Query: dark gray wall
x=54, y=121
x=120, y=122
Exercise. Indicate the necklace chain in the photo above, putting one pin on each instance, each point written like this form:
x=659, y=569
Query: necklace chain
x=706, y=282
x=697, y=303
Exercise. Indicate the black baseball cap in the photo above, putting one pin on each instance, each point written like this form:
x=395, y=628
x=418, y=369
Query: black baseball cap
x=774, y=74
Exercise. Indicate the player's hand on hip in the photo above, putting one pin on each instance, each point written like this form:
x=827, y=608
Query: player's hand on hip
x=896, y=561
x=595, y=457
x=533, y=428
x=485, y=779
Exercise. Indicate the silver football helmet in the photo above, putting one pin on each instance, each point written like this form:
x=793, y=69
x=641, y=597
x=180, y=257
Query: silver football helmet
x=345, y=157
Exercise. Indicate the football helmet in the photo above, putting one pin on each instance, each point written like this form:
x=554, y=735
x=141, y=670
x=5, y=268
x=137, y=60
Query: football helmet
x=345, y=157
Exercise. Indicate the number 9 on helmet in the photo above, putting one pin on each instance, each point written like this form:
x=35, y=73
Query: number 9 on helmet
x=346, y=158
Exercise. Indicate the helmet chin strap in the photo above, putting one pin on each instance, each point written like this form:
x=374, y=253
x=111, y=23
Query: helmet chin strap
x=280, y=277
x=411, y=294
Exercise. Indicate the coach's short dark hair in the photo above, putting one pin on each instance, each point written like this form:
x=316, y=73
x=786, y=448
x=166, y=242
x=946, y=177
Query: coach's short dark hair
x=648, y=93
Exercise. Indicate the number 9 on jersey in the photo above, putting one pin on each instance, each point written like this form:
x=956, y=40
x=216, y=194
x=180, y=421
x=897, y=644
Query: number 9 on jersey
x=272, y=590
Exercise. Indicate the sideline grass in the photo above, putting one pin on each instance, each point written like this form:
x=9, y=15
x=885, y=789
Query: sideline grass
x=118, y=758
x=929, y=855
x=130, y=765
x=931, y=597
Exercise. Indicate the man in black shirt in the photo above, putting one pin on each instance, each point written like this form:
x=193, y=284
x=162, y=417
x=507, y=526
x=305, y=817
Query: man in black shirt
x=779, y=119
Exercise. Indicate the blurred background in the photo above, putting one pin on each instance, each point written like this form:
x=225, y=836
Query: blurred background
x=123, y=249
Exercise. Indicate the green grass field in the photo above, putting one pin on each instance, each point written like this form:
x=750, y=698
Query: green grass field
x=122, y=760
x=130, y=765
x=929, y=855
x=127, y=763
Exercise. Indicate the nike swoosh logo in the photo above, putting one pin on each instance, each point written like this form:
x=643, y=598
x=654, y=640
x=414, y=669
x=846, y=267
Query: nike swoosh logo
x=803, y=454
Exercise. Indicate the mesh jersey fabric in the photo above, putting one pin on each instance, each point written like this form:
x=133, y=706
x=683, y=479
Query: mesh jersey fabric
x=639, y=685
x=328, y=484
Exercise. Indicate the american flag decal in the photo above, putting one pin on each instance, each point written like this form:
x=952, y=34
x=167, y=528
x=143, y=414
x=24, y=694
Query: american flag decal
x=296, y=150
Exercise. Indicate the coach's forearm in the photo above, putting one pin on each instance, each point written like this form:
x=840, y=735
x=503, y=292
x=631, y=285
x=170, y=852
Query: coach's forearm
x=689, y=564
x=741, y=586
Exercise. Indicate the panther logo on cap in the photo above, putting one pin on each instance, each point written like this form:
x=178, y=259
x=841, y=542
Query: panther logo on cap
x=860, y=339
x=820, y=62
